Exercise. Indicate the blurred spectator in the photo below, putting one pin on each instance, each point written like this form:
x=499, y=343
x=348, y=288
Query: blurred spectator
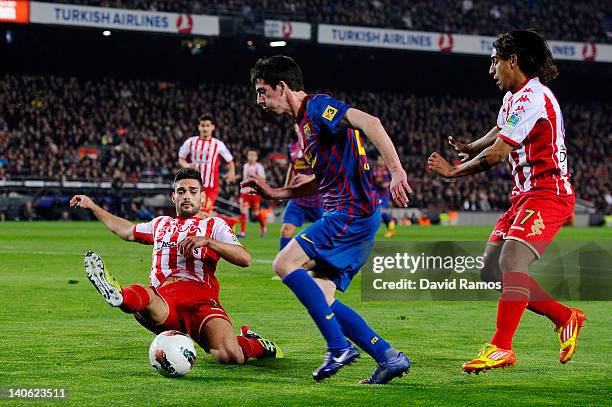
x=557, y=20
x=28, y=212
x=124, y=131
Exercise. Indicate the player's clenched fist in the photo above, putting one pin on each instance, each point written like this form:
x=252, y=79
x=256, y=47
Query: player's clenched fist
x=260, y=186
x=440, y=166
x=81, y=201
x=187, y=245
x=463, y=149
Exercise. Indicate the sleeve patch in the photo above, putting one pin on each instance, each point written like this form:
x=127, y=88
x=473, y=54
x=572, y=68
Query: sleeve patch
x=329, y=113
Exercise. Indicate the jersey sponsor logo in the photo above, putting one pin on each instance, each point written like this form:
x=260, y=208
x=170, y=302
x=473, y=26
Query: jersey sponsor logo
x=528, y=90
x=523, y=98
x=538, y=226
x=160, y=245
x=173, y=229
x=519, y=109
x=329, y=113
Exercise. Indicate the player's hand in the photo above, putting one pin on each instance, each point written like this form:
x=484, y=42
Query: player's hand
x=463, y=149
x=230, y=177
x=400, y=188
x=440, y=166
x=190, y=243
x=81, y=201
x=301, y=179
x=260, y=186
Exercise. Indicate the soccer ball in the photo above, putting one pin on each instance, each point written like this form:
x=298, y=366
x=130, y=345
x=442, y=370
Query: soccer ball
x=172, y=353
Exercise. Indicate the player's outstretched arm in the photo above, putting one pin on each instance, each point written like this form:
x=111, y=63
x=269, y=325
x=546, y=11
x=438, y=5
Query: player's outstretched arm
x=261, y=187
x=231, y=172
x=232, y=253
x=184, y=164
x=119, y=226
x=467, y=151
x=376, y=133
x=489, y=157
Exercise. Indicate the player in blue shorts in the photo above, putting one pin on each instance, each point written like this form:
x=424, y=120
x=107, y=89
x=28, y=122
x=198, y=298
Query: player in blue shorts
x=299, y=210
x=336, y=246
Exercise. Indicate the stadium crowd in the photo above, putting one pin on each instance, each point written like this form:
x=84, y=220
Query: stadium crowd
x=582, y=21
x=54, y=128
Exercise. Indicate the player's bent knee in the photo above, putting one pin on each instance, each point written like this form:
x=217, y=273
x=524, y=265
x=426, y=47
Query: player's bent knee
x=515, y=257
x=280, y=266
x=228, y=356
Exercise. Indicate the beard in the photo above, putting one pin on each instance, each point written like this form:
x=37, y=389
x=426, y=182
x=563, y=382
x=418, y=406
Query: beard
x=187, y=213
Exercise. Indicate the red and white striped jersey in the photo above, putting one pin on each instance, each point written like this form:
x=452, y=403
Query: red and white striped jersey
x=250, y=170
x=530, y=120
x=205, y=153
x=165, y=232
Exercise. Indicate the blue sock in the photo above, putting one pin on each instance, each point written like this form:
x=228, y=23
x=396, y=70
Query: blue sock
x=311, y=296
x=386, y=218
x=284, y=241
x=358, y=331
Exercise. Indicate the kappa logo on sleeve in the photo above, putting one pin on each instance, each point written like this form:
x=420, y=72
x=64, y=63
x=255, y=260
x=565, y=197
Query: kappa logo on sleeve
x=329, y=113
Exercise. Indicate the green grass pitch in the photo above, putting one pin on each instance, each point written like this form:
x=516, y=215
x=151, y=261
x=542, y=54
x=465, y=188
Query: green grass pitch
x=58, y=332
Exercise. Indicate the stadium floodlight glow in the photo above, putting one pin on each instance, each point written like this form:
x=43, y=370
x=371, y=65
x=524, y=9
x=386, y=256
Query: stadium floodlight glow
x=278, y=43
x=106, y=33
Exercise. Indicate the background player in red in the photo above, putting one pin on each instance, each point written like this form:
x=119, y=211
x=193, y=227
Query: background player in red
x=202, y=153
x=248, y=199
x=184, y=293
x=530, y=134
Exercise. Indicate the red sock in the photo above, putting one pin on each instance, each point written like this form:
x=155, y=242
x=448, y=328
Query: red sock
x=262, y=219
x=135, y=299
x=243, y=220
x=542, y=303
x=250, y=347
x=512, y=304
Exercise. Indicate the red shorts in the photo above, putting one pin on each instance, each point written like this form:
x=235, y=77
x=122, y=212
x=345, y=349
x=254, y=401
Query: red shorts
x=250, y=200
x=191, y=306
x=210, y=196
x=534, y=219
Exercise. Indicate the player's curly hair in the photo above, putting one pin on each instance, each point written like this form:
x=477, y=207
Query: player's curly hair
x=534, y=56
x=188, y=173
x=278, y=68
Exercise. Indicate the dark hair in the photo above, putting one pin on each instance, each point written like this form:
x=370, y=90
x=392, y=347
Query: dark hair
x=187, y=173
x=534, y=56
x=278, y=68
x=206, y=116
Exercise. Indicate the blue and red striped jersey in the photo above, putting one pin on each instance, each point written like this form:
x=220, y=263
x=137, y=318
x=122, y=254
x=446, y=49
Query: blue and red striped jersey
x=337, y=156
x=300, y=166
x=382, y=181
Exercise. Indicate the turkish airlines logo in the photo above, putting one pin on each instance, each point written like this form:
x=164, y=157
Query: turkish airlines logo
x=184, y=23
x=286, y=29
x=445, y=42
x=589, y=51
